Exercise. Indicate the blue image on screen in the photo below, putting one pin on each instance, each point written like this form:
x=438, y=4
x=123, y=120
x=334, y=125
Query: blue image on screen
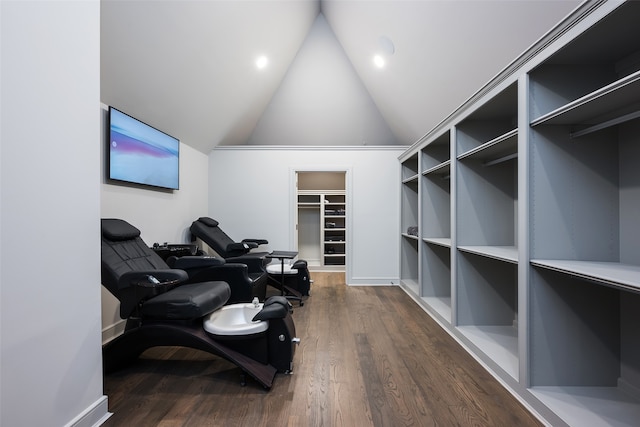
x=141, y=154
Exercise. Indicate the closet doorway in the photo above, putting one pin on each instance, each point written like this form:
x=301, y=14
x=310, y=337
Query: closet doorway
x=321, y=219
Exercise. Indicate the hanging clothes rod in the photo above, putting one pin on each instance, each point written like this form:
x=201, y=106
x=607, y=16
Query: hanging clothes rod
x=606, y=124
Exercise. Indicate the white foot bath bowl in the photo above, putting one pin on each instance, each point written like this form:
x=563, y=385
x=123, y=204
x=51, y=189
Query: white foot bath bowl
x=235, y=320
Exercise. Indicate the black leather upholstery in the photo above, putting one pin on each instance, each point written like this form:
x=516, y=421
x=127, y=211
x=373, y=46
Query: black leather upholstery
x=208, y=230
x=244, y=286
x=191, y=301
x=127, y=263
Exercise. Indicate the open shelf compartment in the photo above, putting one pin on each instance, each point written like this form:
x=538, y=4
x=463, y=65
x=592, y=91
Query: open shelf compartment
x=436, y=279
x=584, y=349
x=409, y=168
x=409, y=206
x=487, y=174
x=409, y=277
x=487, y=308
x=436, y=155
x=597, y=67
x=586, y=198
x=487, y=204
x=490, y=126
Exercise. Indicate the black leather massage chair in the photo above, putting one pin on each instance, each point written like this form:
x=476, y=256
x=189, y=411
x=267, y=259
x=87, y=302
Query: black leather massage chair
x=208, y=231
x=297, y=277
x=164, y=307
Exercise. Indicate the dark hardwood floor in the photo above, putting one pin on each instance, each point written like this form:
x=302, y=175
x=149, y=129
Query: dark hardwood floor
x=368, y=356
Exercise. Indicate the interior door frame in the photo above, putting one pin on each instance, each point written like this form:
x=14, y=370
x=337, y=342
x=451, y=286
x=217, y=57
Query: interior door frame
x=293, y=203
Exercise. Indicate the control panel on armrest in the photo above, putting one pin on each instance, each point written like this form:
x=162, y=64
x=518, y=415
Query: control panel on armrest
x=134, y=278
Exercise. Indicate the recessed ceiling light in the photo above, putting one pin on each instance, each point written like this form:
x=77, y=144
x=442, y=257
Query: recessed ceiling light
x=379, y=61
x=261, y=62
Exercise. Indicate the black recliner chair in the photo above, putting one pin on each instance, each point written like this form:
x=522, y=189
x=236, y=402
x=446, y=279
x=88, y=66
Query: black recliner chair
x=296, y=287
x=208, y=230
x=163, y=309
x=244, y=286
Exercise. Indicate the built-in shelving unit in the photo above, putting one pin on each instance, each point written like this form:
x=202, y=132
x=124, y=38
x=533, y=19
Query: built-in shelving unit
x=585, y=222
x=487, y=229
x=334, y=238
x=527, y=206
x=435, y=198
x=409, y=224
x=323, y=214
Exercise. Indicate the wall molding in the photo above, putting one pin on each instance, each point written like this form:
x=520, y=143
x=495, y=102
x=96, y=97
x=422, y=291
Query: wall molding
x=113, y=331
x=373, y=281
x=312, y=148
x=96, y=414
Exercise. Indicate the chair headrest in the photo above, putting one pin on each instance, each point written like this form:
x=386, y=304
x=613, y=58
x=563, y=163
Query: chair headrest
x=208, y=221
x=118, y=229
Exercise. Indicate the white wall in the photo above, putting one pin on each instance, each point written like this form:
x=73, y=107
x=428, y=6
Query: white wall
x=50, y=349
x=322, y=91
x=161, y=216
x=250, y=193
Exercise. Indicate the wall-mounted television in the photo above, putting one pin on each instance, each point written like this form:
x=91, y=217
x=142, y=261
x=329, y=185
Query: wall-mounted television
x=141, y=154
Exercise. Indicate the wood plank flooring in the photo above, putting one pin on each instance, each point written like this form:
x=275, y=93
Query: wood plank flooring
x=369, y=356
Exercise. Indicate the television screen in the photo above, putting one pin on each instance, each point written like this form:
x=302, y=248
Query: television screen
x=141, y=154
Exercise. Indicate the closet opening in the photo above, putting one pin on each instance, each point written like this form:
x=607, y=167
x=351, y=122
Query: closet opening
x=321, y=224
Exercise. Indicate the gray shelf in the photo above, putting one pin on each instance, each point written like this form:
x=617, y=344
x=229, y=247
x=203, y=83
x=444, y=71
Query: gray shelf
x=590, y=406
x=411, y=179
x=502, y=253
x=498, y=343
x=613, y=274
x=441, y=306
x=440, y=241
x=443, y=169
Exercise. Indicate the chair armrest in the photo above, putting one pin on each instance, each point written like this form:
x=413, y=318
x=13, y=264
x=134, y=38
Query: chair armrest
x=191, y=262
x=231, y=273
x=256, y=264
x=275, y=307
x=236, y=275
x=235, y=249
x=256, y=241
x=133, y=278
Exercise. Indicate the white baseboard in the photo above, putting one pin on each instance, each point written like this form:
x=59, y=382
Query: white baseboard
x=373, y=281
x=110, y=332
x=95, y=415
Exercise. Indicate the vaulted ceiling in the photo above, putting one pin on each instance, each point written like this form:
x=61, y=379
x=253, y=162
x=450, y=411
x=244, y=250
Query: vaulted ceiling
x=188, y=67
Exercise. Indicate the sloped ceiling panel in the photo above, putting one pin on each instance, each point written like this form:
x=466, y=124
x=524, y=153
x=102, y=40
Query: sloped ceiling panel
x=188, y=67
x=321, y=100
x=443, y=50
